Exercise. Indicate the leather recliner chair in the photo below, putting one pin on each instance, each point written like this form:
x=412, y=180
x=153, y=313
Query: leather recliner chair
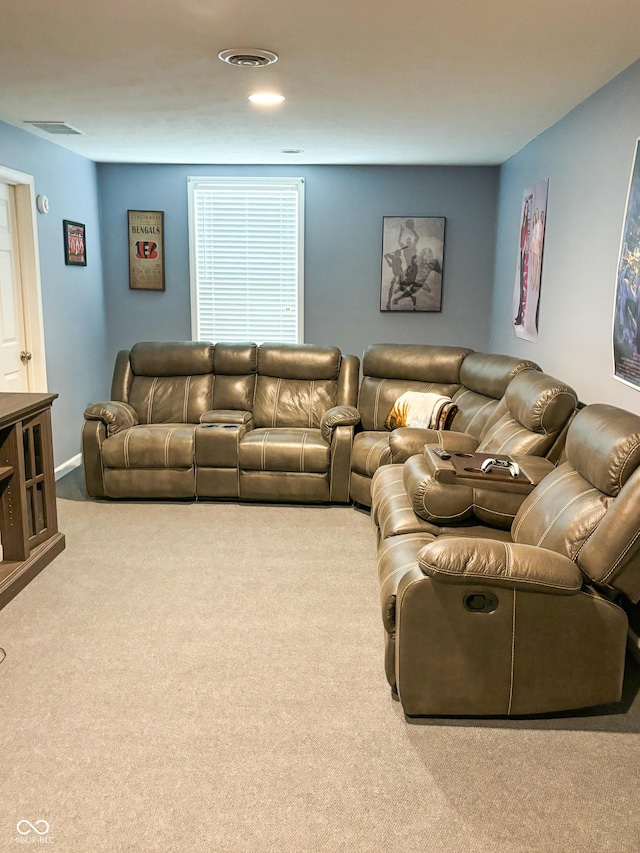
x=475, y=381
x=527, y=424
x=483, y=621
x=300, y=448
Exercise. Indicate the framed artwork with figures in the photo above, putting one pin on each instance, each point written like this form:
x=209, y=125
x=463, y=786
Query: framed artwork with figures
x=412, y=263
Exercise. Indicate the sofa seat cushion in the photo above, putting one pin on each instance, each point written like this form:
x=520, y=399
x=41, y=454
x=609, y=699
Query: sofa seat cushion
x=393, y=513
x=150, y=446
x=370, y=451
x=294, y=449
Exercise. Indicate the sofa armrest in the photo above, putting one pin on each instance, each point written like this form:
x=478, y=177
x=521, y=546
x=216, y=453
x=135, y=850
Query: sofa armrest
x=340, y=470
x=337, y=416
x=226, y=416
x=114, y=415
x=488, y=562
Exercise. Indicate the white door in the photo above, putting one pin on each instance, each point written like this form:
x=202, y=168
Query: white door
x=13, y=370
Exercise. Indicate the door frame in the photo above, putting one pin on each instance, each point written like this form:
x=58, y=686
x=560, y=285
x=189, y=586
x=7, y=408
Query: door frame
x=29, y=257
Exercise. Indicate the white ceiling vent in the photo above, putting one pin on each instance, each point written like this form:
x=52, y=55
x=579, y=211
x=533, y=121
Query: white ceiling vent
x=248, y=57
x=55, y=127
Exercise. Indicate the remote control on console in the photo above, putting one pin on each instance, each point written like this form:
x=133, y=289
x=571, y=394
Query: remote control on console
x=441, y=452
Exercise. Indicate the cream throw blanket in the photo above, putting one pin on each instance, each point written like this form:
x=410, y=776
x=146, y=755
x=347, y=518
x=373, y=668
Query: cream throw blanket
x=421, y=409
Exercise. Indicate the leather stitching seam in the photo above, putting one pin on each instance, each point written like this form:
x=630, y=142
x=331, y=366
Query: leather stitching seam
x=538, y=499
x=559, y=513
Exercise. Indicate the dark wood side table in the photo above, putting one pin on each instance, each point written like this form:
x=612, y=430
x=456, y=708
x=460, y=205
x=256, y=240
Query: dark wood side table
x=28, y=517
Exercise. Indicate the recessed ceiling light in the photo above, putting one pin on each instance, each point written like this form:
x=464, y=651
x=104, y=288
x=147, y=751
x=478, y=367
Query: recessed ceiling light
x=266, y=98
x=248, y=57
x=293, y=150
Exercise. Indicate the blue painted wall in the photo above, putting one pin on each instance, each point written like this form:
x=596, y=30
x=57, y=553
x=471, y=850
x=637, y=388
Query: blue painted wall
x=344, y=206
x=587, y=156
x=72, y=297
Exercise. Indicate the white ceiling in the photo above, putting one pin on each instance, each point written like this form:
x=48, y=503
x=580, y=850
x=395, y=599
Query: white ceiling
x=365, y=81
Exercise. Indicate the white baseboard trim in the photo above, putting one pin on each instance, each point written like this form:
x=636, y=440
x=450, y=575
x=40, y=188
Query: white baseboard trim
x=68, y=466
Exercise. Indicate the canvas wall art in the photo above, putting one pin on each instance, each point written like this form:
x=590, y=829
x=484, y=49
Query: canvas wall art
x=626, y=315
x=412, y=263
x=526, y=291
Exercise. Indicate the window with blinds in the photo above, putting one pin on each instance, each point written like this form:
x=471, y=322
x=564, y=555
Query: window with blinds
x=246, y=245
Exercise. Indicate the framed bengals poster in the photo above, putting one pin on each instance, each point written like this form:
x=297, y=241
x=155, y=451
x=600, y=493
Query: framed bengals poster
x=75, y=243
x=146, y=249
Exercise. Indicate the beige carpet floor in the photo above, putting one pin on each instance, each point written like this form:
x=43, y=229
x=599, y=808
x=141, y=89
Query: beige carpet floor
x=209, y=677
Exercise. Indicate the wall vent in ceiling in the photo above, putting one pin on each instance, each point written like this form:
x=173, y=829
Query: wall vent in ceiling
x=248, y=57
x=55, y=127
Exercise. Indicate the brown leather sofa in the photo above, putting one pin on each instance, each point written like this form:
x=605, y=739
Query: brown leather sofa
x=527, y=424
x=475, y=381
x=485, y=621
x=190, y=419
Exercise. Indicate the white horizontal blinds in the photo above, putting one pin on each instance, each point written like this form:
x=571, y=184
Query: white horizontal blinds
x=247, y=256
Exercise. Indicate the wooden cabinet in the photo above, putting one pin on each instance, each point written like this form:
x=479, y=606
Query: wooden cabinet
x=29, y=533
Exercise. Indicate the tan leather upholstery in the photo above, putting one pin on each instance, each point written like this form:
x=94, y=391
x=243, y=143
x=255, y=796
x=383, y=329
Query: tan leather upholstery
x=371, y=450
x=284, y=449
x=227, y=416
x=297, y=413
x=216, y=445
x=390, y=369
x=482, y=621
x=527, y=421
x=531, y=416
x=337, y=416
x=116, y=416
x=150, y=446
x=477, y=383
x=485, y=378
x=192, y=417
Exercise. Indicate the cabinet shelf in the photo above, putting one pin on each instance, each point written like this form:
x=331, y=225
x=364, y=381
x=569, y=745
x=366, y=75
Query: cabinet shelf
x=28, y=517
x=5, y=472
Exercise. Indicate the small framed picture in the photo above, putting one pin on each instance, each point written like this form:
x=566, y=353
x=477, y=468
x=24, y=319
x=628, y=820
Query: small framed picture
x=146, y=249
x=412, y=263
x=75, y=243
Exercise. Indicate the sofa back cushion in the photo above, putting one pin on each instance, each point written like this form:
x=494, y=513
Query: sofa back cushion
x=295, y=385
x=177, y=382
x=234, y=381
x=391, y=369
x=171, y=358
x=532, y=414
x=485, y=377
x=172, y=381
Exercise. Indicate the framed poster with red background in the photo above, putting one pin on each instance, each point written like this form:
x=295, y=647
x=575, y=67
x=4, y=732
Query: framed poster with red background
x=146, y=249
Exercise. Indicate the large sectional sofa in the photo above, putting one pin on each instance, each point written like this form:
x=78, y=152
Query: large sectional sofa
x=497, y=598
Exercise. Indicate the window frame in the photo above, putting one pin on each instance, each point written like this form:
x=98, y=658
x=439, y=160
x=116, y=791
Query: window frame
x=194, y=183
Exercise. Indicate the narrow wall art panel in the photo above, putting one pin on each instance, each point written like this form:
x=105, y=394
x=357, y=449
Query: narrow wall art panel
x=146, y=249
x=526, y=292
